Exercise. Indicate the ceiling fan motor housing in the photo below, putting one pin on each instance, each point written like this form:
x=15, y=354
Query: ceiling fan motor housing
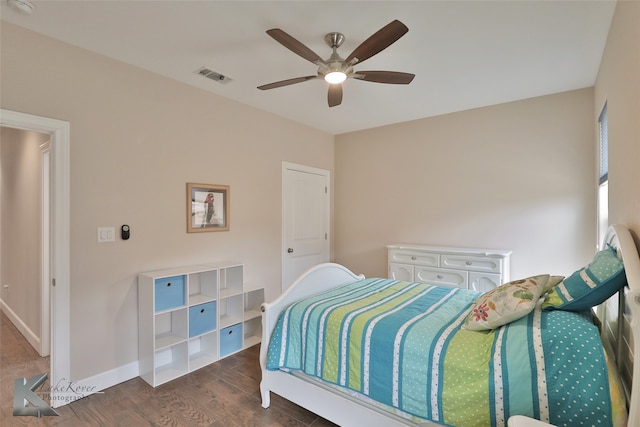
x=334, y=39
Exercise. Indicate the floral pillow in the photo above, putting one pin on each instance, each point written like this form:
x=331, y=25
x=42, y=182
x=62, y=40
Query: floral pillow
x=506, y=303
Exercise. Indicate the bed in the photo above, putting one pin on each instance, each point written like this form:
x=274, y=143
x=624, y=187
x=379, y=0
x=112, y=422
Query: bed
x=478, y=369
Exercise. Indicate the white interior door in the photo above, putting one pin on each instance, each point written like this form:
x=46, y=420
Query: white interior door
x=305, y=220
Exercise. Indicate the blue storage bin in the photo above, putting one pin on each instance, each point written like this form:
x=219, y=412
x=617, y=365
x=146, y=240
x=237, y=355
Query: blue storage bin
x=169, y=293
x=230, y=339
x=202, y=318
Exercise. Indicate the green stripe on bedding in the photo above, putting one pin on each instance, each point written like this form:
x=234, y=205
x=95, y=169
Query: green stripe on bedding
x=466, y=378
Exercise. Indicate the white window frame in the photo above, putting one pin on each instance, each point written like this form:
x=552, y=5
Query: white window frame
x=603, y=173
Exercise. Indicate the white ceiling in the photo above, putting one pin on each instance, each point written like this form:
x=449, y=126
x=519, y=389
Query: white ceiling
x=465, y=54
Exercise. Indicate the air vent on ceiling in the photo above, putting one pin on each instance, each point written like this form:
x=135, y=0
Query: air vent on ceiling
x=212, y=75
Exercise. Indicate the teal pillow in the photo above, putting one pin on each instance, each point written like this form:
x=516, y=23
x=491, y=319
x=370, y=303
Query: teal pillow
x=589, y=286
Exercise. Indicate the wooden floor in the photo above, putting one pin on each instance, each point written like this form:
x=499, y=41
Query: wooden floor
x=225, y=394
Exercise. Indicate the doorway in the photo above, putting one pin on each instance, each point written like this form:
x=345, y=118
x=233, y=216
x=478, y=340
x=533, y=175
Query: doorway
x=24, y=296
x=59, y=256
x=305, y=220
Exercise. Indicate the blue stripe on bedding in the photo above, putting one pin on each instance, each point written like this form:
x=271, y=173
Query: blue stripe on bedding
x=415, y=367
x=517, y=354
x=389, y=351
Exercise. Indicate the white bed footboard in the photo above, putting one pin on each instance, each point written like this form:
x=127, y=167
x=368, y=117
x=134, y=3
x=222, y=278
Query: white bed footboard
x=317, y=279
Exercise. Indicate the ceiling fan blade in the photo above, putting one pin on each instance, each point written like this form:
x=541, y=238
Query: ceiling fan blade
x=379, y=41
x=392, y=77
x=294, y=45
x=335, y=94
x=286, y=82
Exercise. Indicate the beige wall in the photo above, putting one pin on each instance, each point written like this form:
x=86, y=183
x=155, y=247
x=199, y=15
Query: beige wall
x=21, y=230
x=618, y=84
x=515, y=176
x=136, y=140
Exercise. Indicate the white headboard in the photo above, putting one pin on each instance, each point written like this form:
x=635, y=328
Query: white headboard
x=620, y=317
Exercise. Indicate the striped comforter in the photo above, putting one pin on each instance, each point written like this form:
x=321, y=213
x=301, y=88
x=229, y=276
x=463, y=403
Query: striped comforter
x=402, y=344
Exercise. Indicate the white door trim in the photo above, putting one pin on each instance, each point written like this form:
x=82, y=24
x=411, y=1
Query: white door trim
x=45, y=248
x=308, y=169
x=60, y=236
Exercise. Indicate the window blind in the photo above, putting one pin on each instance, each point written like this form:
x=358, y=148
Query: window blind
x=604, y=145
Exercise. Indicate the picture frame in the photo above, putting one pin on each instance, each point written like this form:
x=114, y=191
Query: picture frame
x=208, y=207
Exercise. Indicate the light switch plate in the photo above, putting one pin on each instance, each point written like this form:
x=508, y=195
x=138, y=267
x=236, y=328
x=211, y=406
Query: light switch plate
x=106, y=234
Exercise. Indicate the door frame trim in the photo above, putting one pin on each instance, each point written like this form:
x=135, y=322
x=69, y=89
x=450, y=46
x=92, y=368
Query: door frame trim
x=308, y=169
x=60, y=369
x=45, y=250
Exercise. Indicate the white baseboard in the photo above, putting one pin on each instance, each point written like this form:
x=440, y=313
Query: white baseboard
x=29, y=335
x=67, y=391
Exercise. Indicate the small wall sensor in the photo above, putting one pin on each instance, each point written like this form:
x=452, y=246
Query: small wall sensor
x=125, y=232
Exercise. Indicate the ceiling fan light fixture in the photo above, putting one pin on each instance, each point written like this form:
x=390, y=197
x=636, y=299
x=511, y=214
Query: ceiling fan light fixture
x=335, y=77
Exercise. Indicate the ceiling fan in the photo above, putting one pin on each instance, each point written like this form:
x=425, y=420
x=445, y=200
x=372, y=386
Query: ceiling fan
x=335, y=70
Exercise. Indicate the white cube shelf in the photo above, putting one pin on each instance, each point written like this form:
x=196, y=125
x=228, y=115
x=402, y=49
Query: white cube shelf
x=182, y=313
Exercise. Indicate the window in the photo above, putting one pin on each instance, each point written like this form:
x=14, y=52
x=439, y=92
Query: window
x=603, y=179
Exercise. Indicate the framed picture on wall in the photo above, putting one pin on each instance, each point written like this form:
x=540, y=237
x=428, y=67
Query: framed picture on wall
x=207, y=208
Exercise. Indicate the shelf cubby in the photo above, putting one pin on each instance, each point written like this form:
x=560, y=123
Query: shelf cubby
x=252, y=302
x=170, y=328
x=252, y=330
x=231, y=281
x=203, y=350
x=231, y=310
x=170, y=363
x=203, y=287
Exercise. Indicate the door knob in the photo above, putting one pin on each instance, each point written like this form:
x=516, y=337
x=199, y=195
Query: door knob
x=290, y=250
